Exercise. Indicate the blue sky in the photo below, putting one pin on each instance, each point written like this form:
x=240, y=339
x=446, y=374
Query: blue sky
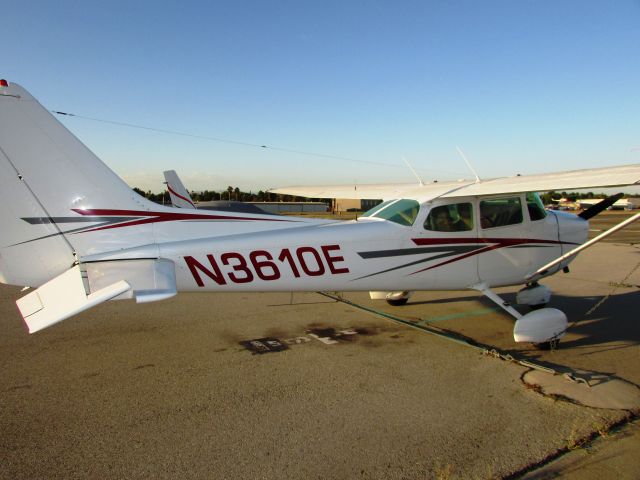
x=520, y=86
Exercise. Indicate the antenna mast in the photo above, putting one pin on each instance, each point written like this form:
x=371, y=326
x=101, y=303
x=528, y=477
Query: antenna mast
x=468, y=164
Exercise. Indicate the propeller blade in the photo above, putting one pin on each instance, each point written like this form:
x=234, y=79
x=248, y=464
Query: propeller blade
x=600, y=206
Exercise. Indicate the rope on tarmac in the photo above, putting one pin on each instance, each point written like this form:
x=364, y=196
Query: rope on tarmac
x=451, y=336
x=616, y=286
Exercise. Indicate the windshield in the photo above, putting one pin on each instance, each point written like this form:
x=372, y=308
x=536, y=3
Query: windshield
x=402, y=211
x=536, y=207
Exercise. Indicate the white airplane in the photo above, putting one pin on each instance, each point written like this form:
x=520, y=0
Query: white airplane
x=79, y=235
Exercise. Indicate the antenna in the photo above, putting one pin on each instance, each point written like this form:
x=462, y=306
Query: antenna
x=468, y=164
x=415, y=174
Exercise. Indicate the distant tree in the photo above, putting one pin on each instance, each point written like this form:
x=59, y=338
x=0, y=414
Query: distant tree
x=139, y=192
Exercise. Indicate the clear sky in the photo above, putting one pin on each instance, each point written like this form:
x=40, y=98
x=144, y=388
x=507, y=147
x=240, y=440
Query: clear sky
x=520, y=86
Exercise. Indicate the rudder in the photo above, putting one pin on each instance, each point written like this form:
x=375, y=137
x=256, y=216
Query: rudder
x=47, y=174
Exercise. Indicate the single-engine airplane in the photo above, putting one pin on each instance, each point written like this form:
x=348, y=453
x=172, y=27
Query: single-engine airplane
x=79, y=235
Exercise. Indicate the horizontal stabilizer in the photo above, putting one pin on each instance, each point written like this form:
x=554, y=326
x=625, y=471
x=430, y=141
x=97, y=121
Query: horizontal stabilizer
x=150, y=279
x=62, y=297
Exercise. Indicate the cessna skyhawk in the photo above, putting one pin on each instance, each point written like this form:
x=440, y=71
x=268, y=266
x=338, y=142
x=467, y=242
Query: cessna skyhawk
x=78, y=234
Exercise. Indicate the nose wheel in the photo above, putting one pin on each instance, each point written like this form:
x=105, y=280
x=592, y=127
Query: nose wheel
x=534, y=295
x=543, y=327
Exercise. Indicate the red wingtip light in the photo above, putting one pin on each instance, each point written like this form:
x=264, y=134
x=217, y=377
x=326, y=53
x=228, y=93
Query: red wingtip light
x=4, y=83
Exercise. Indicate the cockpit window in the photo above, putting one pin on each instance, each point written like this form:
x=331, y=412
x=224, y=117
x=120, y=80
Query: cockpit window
x=457, y=217
x=401, y=211
x=499, y=212
x=535, y=206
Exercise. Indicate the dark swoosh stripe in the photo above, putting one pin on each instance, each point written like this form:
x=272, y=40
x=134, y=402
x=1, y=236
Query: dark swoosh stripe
x=415, y=251
x=57, y=220
x=465, y=246
x=63, y=220
x=422, y=260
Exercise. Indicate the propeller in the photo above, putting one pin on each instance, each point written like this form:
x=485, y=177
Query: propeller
x=600, y=206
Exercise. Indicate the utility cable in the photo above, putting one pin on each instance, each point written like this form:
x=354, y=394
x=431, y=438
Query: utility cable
x=236, y=142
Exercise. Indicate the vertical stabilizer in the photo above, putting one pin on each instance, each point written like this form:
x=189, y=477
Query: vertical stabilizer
x=48, y=178
x=179, y=196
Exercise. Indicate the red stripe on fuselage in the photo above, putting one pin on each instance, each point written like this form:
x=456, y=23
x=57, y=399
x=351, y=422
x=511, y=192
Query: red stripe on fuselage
x=157, y=217
x=171, y=190
x=503, y=242
x=492, y=244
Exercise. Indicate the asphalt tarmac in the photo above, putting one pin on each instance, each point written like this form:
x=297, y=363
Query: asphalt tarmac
x=169, y=389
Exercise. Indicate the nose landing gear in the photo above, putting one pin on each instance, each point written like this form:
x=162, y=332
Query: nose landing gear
x=543, y=326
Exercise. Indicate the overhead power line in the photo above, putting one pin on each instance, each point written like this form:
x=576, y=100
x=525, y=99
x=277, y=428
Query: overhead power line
x=235, y=142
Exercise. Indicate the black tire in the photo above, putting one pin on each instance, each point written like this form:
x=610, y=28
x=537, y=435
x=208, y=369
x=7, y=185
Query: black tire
x=538, y=307
x=550, y=345
x=397, y=303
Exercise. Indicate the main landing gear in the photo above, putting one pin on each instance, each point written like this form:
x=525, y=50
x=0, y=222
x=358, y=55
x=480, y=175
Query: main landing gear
x=543, y=326
x=397, y=299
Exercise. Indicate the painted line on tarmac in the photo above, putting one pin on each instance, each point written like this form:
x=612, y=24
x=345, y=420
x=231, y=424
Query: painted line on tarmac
x=454, y=316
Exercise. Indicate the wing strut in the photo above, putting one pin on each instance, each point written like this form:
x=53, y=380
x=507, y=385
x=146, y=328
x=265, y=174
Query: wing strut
x=544, y=270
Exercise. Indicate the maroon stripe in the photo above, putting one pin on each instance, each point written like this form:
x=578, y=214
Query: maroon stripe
x=504, y=242
x=461, y=257
x=497, y=243
x=180, y=196
x=157, y=217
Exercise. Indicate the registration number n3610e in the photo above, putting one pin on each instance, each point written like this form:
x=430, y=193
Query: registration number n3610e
x=261, y=264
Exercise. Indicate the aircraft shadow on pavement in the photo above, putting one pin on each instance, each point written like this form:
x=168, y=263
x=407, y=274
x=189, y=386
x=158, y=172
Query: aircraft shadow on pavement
x=446, y=300
x=613, y=325
x=613, y=321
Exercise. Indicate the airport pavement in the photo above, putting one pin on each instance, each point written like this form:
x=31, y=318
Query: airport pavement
x=168, y=390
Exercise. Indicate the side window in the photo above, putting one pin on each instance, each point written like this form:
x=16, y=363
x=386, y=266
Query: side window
x=535, y=207
x=499, y=212
x=457, y=217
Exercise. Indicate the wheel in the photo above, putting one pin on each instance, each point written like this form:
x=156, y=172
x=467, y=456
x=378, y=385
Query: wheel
x=397, y=303
x=538, y=307
x=550, y=345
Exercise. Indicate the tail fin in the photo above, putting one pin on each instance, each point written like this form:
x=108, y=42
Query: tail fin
x=179, y=196
x=47, y=179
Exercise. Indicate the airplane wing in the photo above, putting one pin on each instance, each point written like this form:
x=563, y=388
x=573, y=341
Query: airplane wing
x=569, y=180
x=382, y=191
